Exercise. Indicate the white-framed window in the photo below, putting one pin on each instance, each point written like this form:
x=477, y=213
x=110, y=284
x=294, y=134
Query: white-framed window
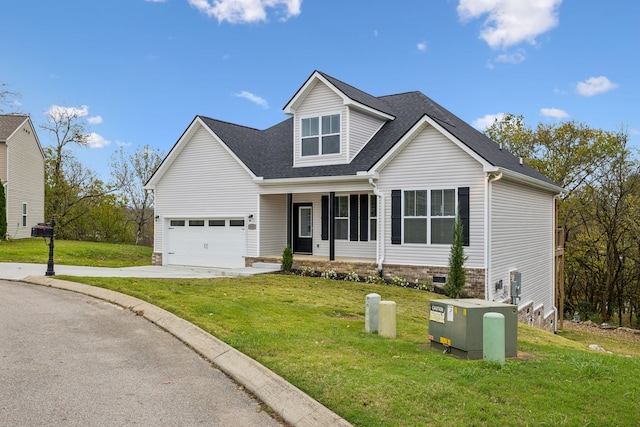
x=342, y=217
x=428, y=216
x=320, y=135
x=373, y=217
x=24, y=214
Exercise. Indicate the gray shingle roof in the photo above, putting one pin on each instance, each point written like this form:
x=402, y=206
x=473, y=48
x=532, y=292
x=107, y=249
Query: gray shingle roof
x=9, y=123
x=269, y=153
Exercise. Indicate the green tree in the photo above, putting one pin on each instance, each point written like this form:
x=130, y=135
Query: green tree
x=71, y=190
x=456, y=278
x=3, y=213
x=130, y=172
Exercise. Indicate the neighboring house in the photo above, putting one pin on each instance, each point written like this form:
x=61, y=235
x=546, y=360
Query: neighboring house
x=21, y=174
x=363, y=183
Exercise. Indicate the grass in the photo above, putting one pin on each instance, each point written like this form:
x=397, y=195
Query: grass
x=311, y=332
x=67, y=252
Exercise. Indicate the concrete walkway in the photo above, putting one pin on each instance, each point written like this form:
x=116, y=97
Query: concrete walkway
x=296, y=407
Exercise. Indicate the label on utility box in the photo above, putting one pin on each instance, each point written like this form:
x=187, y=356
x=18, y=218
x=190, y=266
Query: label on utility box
x=450, y=313
x=436, y=314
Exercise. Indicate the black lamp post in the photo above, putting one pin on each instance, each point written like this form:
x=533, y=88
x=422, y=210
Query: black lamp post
x=50, y=271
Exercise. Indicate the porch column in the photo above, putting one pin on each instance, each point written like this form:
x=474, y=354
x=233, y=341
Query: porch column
x=332, y=226
x=289, y=212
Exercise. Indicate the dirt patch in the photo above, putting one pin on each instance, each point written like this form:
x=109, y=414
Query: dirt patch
x=596, y=329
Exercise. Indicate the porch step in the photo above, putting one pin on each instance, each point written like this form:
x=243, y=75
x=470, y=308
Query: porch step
x=266, y=265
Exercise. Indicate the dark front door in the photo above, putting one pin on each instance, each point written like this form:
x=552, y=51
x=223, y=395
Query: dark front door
x=303, y=228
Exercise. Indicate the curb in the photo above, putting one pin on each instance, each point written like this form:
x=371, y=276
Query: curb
x=292, y=404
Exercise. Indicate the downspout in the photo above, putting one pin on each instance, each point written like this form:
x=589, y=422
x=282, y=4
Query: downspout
x=491, y=177
x=379, y=226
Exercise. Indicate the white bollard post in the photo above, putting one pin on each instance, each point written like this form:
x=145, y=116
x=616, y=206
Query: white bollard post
x=387, y=319
x=372, y=302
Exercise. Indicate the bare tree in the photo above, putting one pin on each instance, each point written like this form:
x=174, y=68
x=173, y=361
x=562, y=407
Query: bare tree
x=7, y=98
x=130, y=172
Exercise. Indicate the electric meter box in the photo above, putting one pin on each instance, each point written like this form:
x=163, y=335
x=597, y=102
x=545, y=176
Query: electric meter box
x=455, y=326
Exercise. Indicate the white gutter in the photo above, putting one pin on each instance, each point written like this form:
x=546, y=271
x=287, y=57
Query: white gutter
x=491, y=177
x=379, y=226
x=360, y=176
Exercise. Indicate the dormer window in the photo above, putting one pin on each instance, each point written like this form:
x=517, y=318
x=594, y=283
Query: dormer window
x=321, y=135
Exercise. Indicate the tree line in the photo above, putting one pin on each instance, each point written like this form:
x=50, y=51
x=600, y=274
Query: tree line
x=598, y=212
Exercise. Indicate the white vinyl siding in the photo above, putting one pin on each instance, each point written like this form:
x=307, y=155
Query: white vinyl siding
x=25, y=181
x=320, y=101
x=362, y=128
x=3, y=162
x=205, y=181
x=522, y=239
x=431, y=161
x=273, y=224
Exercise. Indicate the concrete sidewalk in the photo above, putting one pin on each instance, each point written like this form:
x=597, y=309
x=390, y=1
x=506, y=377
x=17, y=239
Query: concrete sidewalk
x=292, y=404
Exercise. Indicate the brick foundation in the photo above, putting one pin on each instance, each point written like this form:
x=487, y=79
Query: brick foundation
x=156, y=258
x=475, y=276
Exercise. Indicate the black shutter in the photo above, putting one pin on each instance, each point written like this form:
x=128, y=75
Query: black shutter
x=364, y=217
x=289, y=221
x=463, y=211
x=396, y=217
x=325, y=218
x=353, y=217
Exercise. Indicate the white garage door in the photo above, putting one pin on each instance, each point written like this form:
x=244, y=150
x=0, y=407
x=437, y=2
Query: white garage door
x=206, y=242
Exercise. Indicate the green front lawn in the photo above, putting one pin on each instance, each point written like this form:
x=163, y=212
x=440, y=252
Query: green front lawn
x=66, y=252
x=311, y=332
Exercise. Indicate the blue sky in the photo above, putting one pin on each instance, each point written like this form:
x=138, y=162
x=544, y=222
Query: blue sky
x=140, y=70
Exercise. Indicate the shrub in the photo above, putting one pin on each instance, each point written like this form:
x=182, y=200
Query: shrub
x=456, y=278
x=287, y=259
x=352, y=277
x=329, y=274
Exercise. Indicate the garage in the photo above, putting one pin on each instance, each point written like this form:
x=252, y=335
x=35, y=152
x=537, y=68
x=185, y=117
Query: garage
x=211, y=242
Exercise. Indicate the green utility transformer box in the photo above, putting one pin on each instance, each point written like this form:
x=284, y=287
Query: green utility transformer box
x=455, y=326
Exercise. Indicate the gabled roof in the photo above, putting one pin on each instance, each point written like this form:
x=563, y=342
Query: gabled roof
x=350, y=95
x=269, y=153
x=9, y=123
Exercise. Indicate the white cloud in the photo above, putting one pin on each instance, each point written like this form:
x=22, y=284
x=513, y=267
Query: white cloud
x=484, y=122
x=122, y=143
x=375, y=33
x=422, y=46
x=511, y=22
x=554, y=112
x=253, y=98
x=243, y=11
x=595, y=85
x=57, y=112
x=95, y=120
x=96, y=141
x=633, y=131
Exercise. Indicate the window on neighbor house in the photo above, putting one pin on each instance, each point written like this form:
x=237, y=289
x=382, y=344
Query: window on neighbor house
x=320, y=135
x=342, y=217
x=373, y=217
x=24, y=214
x=429, y=219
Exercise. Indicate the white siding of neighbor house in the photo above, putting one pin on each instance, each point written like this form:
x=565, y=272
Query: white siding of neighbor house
x=273, y=224
x=522, y=239
x=320, y=101
x=361, y=128
x=431, y=161
x=25, y=181
x=3, y=162
x=205, y=181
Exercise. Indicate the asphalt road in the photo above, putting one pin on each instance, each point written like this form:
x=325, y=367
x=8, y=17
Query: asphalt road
x=71, y=360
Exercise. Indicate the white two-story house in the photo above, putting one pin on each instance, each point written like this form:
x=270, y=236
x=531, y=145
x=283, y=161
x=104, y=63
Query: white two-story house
x=367, y=183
